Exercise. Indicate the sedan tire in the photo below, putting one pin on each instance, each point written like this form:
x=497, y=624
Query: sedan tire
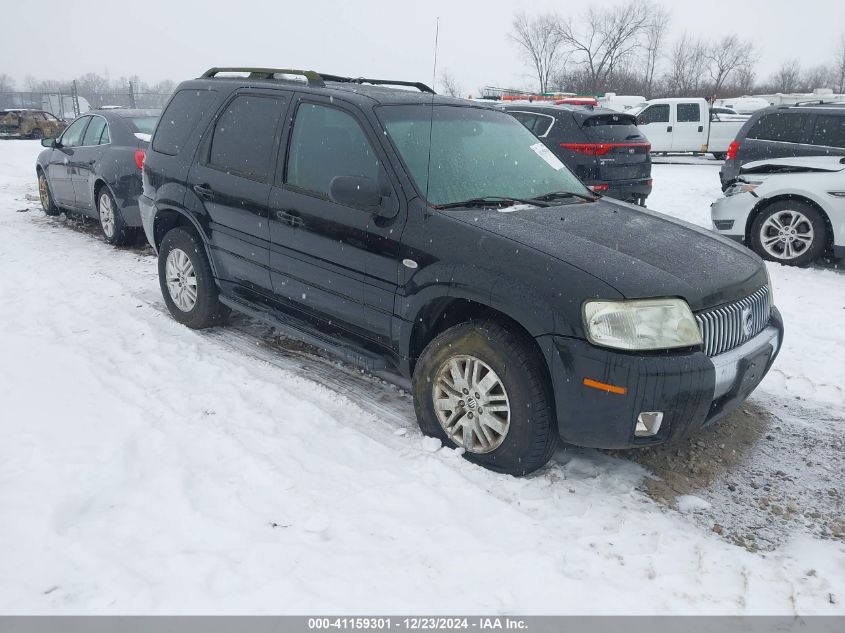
x=112, y=225
x=789, y=232
x=482, y=387
x=187, y=282
x=46, y=196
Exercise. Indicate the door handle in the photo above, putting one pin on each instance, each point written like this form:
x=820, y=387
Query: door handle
x=669, y=128
x=289, y=217
x=700, y=128
x=204, y=191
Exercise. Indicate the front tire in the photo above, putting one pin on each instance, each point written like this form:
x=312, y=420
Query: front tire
x=482, y=387
x=789, y=232
x=46, y=196
x=187, y=283
x=112, y=225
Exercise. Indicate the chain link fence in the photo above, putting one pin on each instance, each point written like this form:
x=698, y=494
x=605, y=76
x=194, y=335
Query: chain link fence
x=70, y=103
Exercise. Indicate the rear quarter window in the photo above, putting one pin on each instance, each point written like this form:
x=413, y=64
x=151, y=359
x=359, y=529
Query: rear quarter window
x=829, y=130
x=787, y=127
x=185, y=110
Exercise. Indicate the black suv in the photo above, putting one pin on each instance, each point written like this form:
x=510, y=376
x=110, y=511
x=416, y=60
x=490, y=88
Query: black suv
x=604, y=148
x=785, y=131
x=437, y=238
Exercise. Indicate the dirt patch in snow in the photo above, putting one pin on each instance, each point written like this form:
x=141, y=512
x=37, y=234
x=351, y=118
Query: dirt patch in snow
x=772, y=469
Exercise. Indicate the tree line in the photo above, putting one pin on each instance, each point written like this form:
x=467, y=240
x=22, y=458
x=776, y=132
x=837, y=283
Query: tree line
x=91, y=86
x=625, y=49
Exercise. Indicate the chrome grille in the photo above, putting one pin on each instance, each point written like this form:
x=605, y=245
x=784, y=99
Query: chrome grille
x=723, y=328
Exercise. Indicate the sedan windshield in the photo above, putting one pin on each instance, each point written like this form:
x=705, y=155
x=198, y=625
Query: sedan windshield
x=476, y=154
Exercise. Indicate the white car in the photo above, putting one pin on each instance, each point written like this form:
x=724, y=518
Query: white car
x=788, y=210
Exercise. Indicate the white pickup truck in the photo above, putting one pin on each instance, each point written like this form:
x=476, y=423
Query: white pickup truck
x=687, y=125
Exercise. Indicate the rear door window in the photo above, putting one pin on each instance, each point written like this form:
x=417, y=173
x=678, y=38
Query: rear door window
x=829, y=130
x=539, y=124
x=327, y=142
x=180, y=118
x=787, y=127
x=94, y=133
x=658, y=113
x=244, y=136
x=689, y=113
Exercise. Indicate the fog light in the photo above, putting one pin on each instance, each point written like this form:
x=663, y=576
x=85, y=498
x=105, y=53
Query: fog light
x=648, y=423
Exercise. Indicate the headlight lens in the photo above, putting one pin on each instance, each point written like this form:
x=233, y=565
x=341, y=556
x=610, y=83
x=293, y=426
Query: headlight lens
x=741, y=187
x=771, y=287
x=643, y=324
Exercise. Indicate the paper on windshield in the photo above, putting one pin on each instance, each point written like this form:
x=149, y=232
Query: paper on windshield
x=543, y=152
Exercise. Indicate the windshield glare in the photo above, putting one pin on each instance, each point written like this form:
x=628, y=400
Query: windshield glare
x=475, y=153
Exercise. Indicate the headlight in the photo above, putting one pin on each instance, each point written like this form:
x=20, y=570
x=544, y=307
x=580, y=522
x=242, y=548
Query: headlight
x=741, y=187
x=643, y=324
x=771, y=287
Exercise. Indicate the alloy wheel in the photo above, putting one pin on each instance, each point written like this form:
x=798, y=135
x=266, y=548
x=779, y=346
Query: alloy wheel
x=471, y=404
x=181, y=280
x=786, y=234
x=107, y=215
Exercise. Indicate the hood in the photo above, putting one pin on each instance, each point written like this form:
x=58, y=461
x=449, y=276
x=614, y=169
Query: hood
x=638, y=252
x=794, y=164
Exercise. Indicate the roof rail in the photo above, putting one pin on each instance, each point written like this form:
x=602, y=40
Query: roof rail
x=378, y=82
x=314, y=79
x=819, y=102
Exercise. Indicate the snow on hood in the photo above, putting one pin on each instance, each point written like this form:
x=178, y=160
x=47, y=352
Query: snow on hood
x=796, y=163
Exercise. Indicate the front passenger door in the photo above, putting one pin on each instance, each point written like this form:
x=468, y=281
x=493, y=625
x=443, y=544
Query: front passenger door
x=655, y=124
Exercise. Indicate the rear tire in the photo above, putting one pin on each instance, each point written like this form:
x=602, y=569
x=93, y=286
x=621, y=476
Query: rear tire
x=46, y=196
x=187, y=283
x=789, y=232
x=483, y=364
x=112, y=225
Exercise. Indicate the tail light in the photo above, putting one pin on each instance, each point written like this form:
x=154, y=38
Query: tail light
x=600, y=149
x=600, y=187
x=733, y=148
x=139, y=158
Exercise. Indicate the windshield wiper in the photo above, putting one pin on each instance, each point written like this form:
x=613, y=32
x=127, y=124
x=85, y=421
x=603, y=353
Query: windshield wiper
x=492, y=200
x=559, y=195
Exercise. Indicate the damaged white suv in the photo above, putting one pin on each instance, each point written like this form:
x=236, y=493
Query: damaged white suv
x=788, y=210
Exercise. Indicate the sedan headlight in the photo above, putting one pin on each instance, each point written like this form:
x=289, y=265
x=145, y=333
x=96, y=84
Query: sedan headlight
x=643, y=324
x=742, y=187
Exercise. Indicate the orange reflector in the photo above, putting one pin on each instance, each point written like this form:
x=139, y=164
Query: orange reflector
x=595, y=384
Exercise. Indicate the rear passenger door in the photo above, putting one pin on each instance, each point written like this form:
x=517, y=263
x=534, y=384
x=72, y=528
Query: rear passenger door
x=319, y=249
x=688, y=129
x=231, y=180
x=84, y=161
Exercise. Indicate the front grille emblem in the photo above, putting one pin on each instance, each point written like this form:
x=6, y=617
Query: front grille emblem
x=747, y=321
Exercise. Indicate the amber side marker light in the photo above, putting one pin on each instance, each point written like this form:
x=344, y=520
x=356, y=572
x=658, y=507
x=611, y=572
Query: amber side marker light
x=595, y=384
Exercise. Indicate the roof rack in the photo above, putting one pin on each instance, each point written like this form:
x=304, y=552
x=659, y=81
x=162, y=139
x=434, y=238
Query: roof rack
x=314, y=79
x=378, y=82
x=818, y=102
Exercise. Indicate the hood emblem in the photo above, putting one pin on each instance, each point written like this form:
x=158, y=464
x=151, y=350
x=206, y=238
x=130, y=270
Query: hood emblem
x=747, y=321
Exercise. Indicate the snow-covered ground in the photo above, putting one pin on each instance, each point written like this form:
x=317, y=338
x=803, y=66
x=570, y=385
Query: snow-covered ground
x=148, y=468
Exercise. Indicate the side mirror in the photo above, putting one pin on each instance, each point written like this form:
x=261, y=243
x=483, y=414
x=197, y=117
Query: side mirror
x=355, y=191
x=48, y=142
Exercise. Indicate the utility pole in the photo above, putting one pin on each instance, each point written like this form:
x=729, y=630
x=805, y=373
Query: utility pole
x=132, y=95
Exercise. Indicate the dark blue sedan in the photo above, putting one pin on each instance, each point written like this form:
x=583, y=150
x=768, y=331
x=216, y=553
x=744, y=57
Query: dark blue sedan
x=94, y=168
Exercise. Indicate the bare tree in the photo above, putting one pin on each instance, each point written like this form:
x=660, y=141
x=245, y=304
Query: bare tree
x=839, y=66
x=725, y=57
x=541, y=43
x=449, y=85
x=687, y=66
x=787, y=77
x=655, y=32
x=604, y=38
x=818, y=77
x=7, y=84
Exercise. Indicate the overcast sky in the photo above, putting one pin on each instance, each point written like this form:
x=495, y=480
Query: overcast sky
x=177, y=40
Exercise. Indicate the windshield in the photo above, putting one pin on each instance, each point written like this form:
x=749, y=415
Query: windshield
x=475, y=153
x=142, y=124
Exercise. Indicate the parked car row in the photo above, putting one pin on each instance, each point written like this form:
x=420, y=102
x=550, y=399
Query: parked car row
x=439, y=238
x=784, y=184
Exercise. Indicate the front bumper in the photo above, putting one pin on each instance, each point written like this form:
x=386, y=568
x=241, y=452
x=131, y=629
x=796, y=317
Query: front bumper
x=730, y=214
x=690, y=388
x=147, y=211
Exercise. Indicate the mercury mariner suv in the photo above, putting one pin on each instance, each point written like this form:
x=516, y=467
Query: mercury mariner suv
x=438, y=238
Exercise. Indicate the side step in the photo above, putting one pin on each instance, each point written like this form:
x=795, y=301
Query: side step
x=345, y=350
